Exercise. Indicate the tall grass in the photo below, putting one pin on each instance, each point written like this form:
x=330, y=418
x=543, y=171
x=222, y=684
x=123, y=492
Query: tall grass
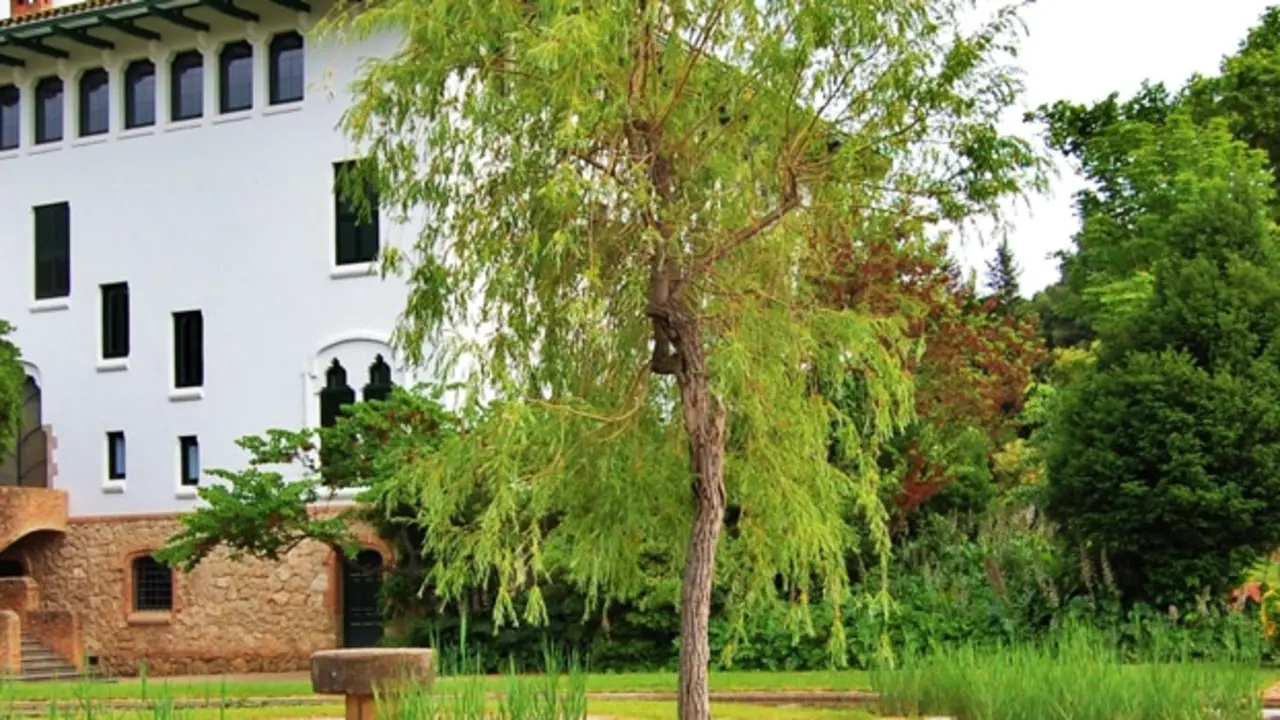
x=1077, y=675
x=559, y=692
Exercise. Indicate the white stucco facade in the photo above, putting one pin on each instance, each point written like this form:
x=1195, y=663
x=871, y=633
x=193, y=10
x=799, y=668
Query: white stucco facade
x=229, y=214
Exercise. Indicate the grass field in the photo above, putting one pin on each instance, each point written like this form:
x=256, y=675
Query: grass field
x=215, y=687
x=605, y=709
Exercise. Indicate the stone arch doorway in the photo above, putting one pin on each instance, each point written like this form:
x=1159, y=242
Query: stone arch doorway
x=12, y=568
x=361, y=587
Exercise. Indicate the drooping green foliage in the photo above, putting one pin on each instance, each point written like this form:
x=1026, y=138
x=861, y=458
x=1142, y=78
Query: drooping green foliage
x=1165, y=453
x=577, y=161
x=12, y=376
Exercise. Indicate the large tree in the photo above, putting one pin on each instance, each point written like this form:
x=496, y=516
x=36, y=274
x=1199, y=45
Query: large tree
x=1164, y=453
x=628, y=211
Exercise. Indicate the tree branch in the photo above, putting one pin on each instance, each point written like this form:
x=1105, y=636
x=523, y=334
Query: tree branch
x=743, y=236
x=696, y=51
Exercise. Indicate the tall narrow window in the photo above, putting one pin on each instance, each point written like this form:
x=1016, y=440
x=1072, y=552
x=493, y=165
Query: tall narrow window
x=49, y=110
x=152, y=585
x=286, y=72
x=53, y=250
x=115, y=321
x=356, y=223
x=115, y=455
x=235, y=81
x=189, y=459
x=188, y=349
x=186, y=86
x=140, y=94
x=95, y=102
x=10, y=116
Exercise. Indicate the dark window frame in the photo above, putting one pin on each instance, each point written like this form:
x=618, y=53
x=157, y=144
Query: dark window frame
x=134, y=74
x=47, y=89
x=188, y=349
x=52, y=224
x=230, y=54
x=152, y=585
x=356, y=239
x=10, y=117
x=117, y=455
x=188, y=476
x=115, y=320
x=280, y=51
x=94, y=123
x=184, y=62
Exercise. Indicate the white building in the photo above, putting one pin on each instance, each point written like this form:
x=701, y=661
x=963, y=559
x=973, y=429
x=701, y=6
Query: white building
x=181, y=274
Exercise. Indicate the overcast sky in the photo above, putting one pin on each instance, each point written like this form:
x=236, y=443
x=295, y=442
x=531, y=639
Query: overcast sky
x=1081, y=50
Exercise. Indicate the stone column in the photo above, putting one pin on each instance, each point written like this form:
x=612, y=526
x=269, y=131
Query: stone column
x=10, y=644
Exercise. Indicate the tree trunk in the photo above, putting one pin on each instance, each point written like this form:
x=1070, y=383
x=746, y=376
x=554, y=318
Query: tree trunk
x=704, y=422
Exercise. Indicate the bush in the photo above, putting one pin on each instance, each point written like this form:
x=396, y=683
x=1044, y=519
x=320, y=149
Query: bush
x=1173, y=470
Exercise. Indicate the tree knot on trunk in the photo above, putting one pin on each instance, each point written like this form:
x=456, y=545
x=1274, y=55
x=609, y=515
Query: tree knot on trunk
x=666, y=341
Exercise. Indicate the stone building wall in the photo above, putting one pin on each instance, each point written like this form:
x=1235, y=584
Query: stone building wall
x=243, y=616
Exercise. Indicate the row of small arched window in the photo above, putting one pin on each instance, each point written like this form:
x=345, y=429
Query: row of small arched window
x=336, y=393
x=285, y=80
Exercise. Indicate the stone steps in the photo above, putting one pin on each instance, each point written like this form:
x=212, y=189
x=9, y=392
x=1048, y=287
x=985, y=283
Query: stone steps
x=39, y=663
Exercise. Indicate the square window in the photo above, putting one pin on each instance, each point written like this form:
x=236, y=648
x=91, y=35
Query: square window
x=116, y=469
x=356, y=211
x=53, y=250
x=152, y=585
x=115, y=321
x=188, y=349
x=189, y=451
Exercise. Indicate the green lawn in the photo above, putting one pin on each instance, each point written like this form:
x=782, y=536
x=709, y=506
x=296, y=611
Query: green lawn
x=615, y=710
x=215, y=687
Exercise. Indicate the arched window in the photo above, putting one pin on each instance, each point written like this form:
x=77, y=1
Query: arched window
x=336, y=394
x=95, y=102
x=140, y=94
x=27, y=465
x=287, y=70
x=379, y=387
x=235, y=77
x=10, y=112
x=49, y=110
x=152, y=585
x=186, y=86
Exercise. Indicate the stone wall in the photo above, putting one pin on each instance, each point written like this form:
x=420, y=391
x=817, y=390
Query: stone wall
x=244, y=616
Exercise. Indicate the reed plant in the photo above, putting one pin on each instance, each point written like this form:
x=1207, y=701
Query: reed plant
x=1077, y=674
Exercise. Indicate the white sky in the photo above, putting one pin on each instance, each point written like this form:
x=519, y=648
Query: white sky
x=1081, y=50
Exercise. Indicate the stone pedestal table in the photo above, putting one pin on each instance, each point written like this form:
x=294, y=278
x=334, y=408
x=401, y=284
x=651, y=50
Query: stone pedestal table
x=359, y=673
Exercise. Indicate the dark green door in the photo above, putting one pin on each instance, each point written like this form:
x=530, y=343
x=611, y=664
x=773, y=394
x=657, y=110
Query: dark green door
x=361, y=581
